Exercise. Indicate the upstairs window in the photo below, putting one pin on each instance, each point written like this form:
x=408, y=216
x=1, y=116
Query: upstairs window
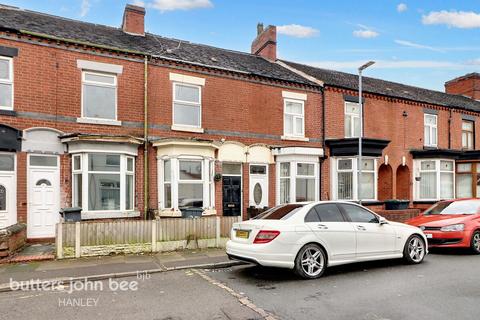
x=468, y=135
x=352, y=120
x=430, y=130
x=99, y=95
x=294, y=119
x=187, y=105
x=6, y=83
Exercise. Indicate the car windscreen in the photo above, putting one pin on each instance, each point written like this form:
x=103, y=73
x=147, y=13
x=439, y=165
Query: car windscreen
x=281, y=212
x=455, y=207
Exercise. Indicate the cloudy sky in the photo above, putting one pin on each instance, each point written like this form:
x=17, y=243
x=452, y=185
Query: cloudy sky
x=423, y=43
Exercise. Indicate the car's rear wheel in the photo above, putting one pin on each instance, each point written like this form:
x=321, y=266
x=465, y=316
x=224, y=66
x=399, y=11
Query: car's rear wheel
x=475, y=243
x=311, y=261
x=414, y=250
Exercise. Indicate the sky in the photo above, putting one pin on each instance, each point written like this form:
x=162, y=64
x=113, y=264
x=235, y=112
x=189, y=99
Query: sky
x=422, y=43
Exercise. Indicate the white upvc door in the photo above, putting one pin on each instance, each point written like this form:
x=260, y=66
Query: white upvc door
x=43, y=197
x=258, y=186
x=8, y=198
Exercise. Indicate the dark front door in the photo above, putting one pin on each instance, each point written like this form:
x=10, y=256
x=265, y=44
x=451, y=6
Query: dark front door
x=232, y=195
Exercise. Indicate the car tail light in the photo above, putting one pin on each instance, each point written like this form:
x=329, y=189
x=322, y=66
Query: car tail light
x=265, y=236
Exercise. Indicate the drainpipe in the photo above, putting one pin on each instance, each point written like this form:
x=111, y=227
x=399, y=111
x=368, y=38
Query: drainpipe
x=449, y=130
x=322, y=160
x=145, y=137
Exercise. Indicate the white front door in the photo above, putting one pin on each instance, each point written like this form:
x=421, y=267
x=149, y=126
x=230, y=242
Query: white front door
x=8, y=190
x=43, y=196
x=258, y=186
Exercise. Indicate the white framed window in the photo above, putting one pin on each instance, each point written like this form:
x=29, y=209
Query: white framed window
x=187, y=182
x=294, y=118
x=6, y=83
x=435, y=179
x=187, y=105
x=345, y=179
x=99, y=96
x=103, y=182
x=352, y=119
x=430, y=130
x=298, y=181
x=468, y=134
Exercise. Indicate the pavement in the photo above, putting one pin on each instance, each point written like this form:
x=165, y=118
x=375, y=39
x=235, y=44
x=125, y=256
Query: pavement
x=113, y=266
x=445, y=286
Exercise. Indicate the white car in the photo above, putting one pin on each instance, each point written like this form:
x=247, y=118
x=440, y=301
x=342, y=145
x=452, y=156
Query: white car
x=308, y=237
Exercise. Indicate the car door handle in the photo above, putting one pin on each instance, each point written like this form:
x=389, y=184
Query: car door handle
x=361, y=228
x=322, y=226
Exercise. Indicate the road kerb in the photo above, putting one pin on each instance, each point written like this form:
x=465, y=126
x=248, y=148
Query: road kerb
x=6, y=287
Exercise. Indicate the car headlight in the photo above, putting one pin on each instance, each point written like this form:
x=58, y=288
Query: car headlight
x=454, y=227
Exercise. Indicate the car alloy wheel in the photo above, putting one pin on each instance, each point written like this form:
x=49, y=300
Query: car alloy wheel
x=416, y=249
x=311, y=261
x=476, y=242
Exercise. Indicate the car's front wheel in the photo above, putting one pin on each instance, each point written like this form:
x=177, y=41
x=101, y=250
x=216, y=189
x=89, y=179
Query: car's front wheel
x=414, y=250
x=311, y=261
x=475, y=243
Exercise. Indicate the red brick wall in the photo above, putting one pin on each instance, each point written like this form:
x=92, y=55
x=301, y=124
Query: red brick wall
x=468, y=85
x=383, y=119
x=231, y=106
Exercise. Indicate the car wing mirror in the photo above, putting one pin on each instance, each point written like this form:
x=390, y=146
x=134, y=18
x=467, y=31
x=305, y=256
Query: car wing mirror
x=382, y=221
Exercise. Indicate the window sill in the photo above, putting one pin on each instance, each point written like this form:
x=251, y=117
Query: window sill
x=176, y=127
x=290, y=138
x=99, y=121
x=109, y=215
x=7, y=112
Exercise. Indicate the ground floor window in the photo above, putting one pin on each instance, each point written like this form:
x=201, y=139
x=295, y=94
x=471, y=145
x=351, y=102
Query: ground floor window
x=103, y=181
x=345, y=179
x=434, y=179
x=298, y=181
x=467, y=180
x=186, y=183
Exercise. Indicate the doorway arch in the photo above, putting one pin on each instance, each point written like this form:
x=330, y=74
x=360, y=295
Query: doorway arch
x=403, y=182
x=385, y=182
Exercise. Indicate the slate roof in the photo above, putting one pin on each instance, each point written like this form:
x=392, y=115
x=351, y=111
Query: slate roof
x=24, y=20
x=387, y=88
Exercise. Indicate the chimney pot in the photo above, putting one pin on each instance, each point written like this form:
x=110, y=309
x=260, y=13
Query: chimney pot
x=134, y=20
x=259, y=28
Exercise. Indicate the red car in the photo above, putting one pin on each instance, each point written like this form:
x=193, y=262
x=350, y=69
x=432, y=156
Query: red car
x=452, y=223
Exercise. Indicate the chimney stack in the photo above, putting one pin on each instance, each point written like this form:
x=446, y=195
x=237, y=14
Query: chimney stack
x=134, y=20
x=265, y=44
x=467, y=85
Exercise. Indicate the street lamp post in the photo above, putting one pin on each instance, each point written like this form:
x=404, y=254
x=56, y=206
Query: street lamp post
x=360, y=103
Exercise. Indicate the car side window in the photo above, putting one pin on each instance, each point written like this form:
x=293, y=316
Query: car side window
x=329, y=213
x=359, y=214
x=312, y=216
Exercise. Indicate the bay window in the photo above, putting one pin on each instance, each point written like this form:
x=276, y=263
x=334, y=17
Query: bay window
x=467, y=180
x=435, y=179
x=103, y=182
x=430, y=130
x=6, y=83
x=345, y=179
x=298, y=181
x=352, y=120
x=186, y=182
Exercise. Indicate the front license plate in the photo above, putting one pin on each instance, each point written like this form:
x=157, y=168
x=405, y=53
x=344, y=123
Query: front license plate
x=429, y=235
x=242, y=234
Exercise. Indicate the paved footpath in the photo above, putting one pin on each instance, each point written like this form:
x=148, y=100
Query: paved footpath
x=111, y=264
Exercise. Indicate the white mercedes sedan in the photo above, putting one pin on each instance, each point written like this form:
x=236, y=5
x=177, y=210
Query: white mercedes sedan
x=309, y=237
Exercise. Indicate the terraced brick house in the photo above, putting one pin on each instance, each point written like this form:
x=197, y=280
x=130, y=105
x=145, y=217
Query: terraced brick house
x=122, y=122
x=419, y=145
